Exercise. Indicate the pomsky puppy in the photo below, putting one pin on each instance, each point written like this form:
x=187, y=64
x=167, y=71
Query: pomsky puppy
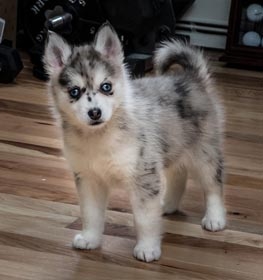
x=144, y=134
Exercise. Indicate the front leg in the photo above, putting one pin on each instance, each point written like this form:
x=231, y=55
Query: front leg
x=147, y=210
x=93, y=202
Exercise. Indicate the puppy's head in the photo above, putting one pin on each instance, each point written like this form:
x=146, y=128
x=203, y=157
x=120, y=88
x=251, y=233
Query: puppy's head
x=87, y=82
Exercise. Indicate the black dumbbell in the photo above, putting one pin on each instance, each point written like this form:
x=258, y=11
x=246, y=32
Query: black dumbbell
x=10, y=64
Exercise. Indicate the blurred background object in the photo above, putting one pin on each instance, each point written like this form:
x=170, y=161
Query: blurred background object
x=139, y=24
x=10, y=61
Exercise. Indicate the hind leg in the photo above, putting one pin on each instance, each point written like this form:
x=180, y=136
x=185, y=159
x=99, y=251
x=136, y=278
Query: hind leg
x=175, y=186
x=210, y=175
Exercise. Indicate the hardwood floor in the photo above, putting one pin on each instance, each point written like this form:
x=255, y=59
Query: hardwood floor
x=39, y=214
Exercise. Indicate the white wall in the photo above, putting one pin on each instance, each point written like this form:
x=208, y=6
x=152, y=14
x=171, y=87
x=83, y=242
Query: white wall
x=209, y=11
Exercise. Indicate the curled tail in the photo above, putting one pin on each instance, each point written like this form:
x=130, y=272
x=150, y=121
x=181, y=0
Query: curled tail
x=190, y=59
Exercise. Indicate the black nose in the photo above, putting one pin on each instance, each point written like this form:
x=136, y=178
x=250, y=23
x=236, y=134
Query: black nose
x=94, y=114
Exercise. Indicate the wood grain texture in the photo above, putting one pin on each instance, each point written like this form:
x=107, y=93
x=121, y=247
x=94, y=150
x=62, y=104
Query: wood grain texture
x=39, y=213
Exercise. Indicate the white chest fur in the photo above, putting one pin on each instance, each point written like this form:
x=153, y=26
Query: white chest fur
x=104, y=157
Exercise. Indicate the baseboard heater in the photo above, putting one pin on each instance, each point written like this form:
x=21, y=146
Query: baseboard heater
x=203, y=34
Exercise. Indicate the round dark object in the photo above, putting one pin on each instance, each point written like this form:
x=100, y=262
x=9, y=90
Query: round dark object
x=73, y=19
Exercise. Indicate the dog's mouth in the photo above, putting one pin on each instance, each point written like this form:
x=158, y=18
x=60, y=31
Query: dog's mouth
x=96, y=123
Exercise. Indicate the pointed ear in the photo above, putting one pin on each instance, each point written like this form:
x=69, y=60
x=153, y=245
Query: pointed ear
x=107, y=42
x=57, y=52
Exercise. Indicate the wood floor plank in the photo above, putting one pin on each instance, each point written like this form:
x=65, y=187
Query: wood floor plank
x=63, y=267
x=8, y=277
x=125, y=219
x=214, y=261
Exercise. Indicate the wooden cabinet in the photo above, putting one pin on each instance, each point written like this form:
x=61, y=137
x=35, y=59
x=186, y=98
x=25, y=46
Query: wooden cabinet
x=245, y=34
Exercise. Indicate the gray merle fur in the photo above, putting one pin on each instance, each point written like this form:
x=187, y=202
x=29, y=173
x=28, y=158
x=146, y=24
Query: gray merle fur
x=220, y=171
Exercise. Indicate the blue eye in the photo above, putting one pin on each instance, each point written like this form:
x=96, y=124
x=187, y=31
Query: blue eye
x=106, y=88
x=74, y=92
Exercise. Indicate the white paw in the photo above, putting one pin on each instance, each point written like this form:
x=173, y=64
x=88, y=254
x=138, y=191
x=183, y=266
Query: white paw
x=147, y=252
x=214, y=222
x=87, y=240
